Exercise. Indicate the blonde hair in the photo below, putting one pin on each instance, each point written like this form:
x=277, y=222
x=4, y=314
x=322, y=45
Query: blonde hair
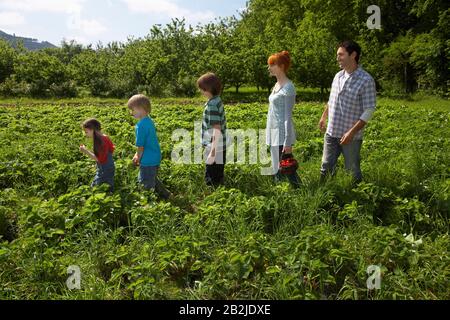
x=140, y=101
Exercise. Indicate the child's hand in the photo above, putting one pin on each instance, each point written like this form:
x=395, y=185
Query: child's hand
x=83, y=148
x=136, y=161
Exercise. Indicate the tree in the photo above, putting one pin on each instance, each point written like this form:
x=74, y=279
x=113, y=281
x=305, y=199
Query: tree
x=45, y=74
x=430, y=56
x=7, y=57
x=410, y=51
x=397, y=66
x=68, y=51
x=225, y=53
x=92, y=70
x=266, y=27
x=315, y=54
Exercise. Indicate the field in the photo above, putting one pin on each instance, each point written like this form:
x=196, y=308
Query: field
x=251, y=239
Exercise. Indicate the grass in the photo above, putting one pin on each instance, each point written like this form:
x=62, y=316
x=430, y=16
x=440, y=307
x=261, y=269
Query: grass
x=251, y=239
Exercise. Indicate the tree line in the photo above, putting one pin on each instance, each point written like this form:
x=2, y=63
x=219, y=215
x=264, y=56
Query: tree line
x=409, y=53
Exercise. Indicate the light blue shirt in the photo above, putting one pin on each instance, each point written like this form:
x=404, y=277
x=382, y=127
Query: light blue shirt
x=146, y=138
x=280, y=129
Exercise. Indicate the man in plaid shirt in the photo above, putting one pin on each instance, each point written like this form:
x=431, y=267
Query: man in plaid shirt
x=350, y=107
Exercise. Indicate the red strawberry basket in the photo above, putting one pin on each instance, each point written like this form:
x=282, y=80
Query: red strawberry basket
x=288, y=164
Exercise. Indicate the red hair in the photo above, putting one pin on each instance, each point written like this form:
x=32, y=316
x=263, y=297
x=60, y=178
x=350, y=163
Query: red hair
x=282, y=58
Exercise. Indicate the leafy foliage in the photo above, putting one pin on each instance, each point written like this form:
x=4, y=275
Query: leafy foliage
x=409, y=53
x=250, y=239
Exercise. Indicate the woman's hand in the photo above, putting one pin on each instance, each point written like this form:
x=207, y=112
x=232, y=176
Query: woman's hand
x=287, y=149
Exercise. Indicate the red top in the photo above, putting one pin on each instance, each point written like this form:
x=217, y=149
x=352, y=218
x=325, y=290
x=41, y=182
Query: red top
x=108, y=146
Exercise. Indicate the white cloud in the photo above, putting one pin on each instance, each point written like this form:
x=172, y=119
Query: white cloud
x=71, y=8
x=168, y=8
x=77, y=38
x=11, y=19
x=58, y=6
x=89, y=27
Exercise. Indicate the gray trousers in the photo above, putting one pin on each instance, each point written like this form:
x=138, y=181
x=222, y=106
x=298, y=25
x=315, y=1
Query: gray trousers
x=332, y=149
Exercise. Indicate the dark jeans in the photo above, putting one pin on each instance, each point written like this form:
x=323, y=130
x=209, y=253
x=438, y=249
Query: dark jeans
x=105, y=173
x=332, y=149
x=293, y=178
x=214, y=173
x=148, y=177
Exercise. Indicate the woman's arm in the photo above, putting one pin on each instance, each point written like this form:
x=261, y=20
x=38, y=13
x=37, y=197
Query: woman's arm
x=323, y=120
x=288, y=123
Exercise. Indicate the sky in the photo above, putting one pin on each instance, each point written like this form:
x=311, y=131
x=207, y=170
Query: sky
x=91, y=21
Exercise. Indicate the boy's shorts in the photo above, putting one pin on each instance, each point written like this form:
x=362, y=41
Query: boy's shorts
x=147, y=176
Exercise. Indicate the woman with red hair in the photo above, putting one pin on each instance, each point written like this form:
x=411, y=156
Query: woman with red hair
x=280, y=131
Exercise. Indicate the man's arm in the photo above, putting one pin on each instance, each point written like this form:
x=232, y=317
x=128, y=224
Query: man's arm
x=368, y=103
x=323, y=119
x=348, y=136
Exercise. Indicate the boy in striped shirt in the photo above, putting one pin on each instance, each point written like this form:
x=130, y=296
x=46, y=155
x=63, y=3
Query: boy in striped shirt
x=214, y=128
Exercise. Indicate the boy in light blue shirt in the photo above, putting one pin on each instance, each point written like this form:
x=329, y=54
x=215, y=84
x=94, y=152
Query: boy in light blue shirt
x=148, y=155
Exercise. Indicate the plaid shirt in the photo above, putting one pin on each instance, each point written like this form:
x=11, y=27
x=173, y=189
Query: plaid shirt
x=356, y=101
x=213, y=114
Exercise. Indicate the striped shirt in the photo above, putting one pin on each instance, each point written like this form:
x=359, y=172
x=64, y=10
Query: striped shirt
x=352, y=98
x=213, y=114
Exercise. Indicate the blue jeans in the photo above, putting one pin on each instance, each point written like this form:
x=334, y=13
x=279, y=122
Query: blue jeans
x=105, y=173
x=332, y=149
x=148, y=177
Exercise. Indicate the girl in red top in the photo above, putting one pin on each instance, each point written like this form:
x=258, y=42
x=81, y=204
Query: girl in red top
x=103, y=150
